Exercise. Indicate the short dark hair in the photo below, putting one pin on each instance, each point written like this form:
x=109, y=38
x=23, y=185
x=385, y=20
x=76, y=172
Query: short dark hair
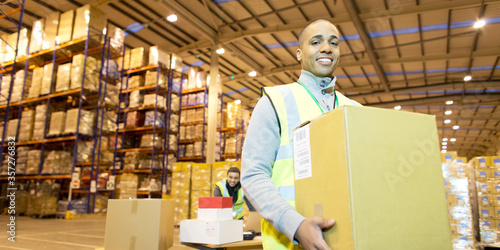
x=307, y=26
x=233, y=170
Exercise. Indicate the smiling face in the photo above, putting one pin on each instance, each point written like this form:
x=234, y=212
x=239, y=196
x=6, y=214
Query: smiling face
x=319, y=48
x=233, y=178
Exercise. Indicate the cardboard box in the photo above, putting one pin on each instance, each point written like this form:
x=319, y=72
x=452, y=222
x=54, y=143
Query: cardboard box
x=462, y=160
x=51, y=26
x=65, y=30
x=486, y=212
x=480, y=162
x=89, y=20
x=139, y=224
x=449, y=156
x=485, y=200
x=216, y=202
x=380, y=175
x=211, y=232
x=215, y=214
x=37, y=36
x=494, y=162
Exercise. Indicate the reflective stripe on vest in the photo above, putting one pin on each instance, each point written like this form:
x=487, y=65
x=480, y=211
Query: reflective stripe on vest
x=290, y=115
x=239, y=204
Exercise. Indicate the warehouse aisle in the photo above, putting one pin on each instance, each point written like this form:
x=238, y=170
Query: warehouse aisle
x=55, y=234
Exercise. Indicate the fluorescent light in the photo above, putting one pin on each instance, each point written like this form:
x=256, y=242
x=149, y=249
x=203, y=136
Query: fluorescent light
x=172, y=18
x=479, y=24
x=237, y=101
x=467, y=78
x=220, y=51
x=453, y=139
x=449, y=102
x=445, y=139
x=252, y=74
x=443, y=151
x=456, y=127
x=448, y=112
x=397, y=107
x=447, y=121
x=444, y=143
x=445, y=147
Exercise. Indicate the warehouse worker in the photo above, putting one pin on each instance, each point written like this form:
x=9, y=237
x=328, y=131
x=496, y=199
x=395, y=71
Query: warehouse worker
x=267, y=160
x=231, y=187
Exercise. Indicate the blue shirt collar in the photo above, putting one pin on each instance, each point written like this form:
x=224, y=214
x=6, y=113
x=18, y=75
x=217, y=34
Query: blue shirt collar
x=315, y=83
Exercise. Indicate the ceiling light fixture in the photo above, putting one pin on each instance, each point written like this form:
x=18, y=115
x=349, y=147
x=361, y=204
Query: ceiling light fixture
x=445, y=139
x=447, y=121
x=444, y=143
x=172, y=18
x=445, y=147
x=238, y=101
x=467, y=78
x=220, y=51
x=453, y=139
x=443, y=151
x=397, y=107
x=448, y=112
x=449, y=102
x=252, y=74
x=479, y=24
x=456, y=127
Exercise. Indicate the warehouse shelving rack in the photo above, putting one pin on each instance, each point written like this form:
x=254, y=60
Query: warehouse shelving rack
x=164, y=129
x=236, y=131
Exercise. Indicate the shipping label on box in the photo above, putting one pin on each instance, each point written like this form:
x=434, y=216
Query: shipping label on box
x=366, y=161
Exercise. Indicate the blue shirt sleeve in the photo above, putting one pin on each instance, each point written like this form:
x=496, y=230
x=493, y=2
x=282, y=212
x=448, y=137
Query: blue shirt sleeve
x=261, y=145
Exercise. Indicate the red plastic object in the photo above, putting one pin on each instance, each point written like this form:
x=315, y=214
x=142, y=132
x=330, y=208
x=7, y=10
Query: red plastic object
x=215, y=202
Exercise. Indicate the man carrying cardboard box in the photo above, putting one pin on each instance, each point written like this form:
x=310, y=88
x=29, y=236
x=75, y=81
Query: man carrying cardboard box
x=267, y=160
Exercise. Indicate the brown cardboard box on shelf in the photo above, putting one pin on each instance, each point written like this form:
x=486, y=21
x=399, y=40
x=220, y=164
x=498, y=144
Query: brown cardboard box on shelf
x=494, y=162
x=65, y=30
x=57, y=120
x=36, y=83
x=51, y=26
x=139, y=224
x=63, y=77
x=138, y=57
x=49, y=77
x=383, y=179
x=449, y=156
x=88, y=19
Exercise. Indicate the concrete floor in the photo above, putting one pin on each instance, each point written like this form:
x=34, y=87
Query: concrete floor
x=54, y=234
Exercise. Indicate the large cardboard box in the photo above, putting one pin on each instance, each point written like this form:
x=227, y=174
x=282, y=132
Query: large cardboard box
x=139, y=224
x=211, y=232
x=65, y=30
x=379, y=172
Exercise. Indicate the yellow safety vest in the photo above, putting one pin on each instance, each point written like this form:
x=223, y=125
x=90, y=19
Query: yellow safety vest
x=285, y=100
x=238, y=206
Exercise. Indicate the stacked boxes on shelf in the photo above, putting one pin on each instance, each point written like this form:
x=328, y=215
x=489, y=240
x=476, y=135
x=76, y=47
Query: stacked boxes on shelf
x=126, y=186
x=459, y=206
x=22, y=83
x=63, y=77
x=200, y=185
x=27, y=125
x=57, y=162
x=91, y=77
x=5, y=88
x=39, y=126
x=37, y=35
x=65, y=30
x=88, y=20
x=487, y=170
x=36, y=83
x=181, y=186
x=50, y=30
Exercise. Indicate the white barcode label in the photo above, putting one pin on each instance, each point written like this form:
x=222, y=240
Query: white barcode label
x=302, y=153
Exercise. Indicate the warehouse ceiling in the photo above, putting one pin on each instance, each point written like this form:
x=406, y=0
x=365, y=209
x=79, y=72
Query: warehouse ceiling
x=408, y=53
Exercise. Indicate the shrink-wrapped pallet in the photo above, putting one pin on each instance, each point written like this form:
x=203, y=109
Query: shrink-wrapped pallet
x=65, y=30
x=184, y=100
x=22, y=46
x=182, y=133
x=198, y=148
x=26, y=126
x=57, y=162
x=190, y=115
x=189, y=150
x=49, y=77
x=57, y=120
x=108, y=121
x=10, y=47
x=153, y=78
x=86, y=122
x=135, y=81
x=39, y=126
x=91, y=79
x=174, y=104
x=22, y=159
x=184, y=117
x=89, y=20
x=36, y=83
x=4, y=92
x=158, y=55
x=33, y=161
x=84, y=151
x=200, y=115
x=138, y=58
x=153, y=99
x=11, y=128
x=37, y=35
x=199, y=131
x=135, y=119
x=151, y=121
x=63, y=77
x=126, y=186
x=22, y=83
x=174, y=123
x=51, y=26
x=131, y=160
x=172, y=142
x=111, y=98
x=150, y=140
x=116, y=38
x=135, y=99
x=148, y=163
x=124, y=62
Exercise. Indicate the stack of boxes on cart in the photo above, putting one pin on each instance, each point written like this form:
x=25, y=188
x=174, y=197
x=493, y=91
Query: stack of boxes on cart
x=487, y=171
x=190, y=181
x=456, y=176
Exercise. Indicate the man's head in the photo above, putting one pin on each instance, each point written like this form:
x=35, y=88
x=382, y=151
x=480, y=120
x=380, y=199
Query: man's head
x=318, y=50
x=233, y=176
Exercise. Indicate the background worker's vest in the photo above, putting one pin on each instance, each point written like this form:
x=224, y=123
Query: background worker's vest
x=238, y=206
x=290, y=115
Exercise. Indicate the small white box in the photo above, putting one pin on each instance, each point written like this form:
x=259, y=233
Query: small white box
x=215, y=214
x=211, y=232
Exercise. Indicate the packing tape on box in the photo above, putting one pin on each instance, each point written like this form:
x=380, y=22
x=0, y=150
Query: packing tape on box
x=132, y=239
x=135, y=204
x=318, y=209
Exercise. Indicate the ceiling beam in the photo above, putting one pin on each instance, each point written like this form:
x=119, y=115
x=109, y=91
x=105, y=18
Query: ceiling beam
x=231, y=36
x=458, y=99
x=367, y=42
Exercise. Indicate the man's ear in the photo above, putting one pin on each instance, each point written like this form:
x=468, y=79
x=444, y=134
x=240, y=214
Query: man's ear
x=299, y=55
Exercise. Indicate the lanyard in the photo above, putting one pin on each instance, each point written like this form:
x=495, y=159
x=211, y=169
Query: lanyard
x=335, y=102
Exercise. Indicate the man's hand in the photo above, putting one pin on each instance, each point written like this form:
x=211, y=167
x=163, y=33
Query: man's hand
x=309, y=233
